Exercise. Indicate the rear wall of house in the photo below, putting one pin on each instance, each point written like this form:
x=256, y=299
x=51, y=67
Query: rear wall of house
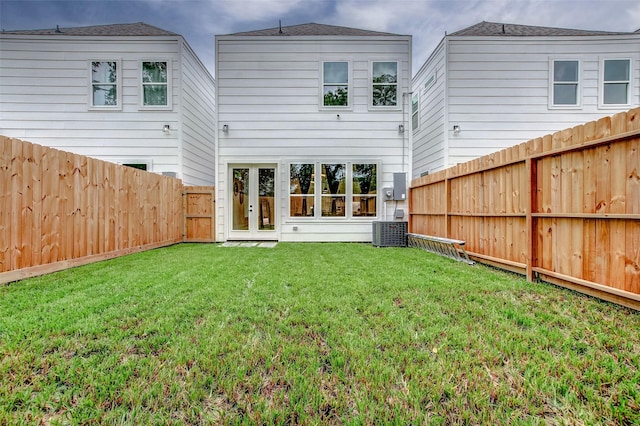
x=270, y=95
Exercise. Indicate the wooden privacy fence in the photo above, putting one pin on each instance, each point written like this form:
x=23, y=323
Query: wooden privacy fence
x=59, y=210
x=564, y=208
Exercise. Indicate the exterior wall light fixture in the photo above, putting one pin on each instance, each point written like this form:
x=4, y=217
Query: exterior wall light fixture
x=225, y=129
x=456, y=129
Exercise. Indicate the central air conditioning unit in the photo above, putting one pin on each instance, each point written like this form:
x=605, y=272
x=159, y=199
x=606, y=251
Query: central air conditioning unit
x=390, y=234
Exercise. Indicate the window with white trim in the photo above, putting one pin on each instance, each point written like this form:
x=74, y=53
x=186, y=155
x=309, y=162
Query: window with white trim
x=566, y=82
x=334, y=190
x=364, y=189
x=347, y=190
x=384, y=84
x=415, y=111
x=105, y=82
x=335, y=84
x=616, y=80
x=155, y=84
x=302, y=190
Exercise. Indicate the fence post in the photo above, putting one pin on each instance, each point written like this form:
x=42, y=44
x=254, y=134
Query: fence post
x=532, y=224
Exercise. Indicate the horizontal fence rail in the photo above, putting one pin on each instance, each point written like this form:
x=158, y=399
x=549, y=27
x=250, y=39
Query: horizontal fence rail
x=564, y=208
x=59, y=210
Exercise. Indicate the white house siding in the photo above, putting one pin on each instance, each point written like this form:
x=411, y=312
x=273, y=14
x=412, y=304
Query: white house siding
x=430, y=85
x=45, y=99
x=268, y=91
x=198, y=121
x=498, y=89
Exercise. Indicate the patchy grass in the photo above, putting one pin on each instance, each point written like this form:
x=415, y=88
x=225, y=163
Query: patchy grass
x=310, y=334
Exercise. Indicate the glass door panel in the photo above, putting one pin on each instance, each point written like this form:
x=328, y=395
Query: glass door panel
x=240, y=202
x=266, y=199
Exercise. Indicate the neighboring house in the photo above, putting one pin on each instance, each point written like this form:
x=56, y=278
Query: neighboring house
x=128, y=93
x=311, y=129
x=494, y=85
x=312, y=123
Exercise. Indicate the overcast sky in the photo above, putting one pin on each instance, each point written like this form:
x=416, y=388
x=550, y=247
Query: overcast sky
x=426, y=20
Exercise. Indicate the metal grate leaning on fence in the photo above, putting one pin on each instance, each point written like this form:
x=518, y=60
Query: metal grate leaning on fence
x=442, y=246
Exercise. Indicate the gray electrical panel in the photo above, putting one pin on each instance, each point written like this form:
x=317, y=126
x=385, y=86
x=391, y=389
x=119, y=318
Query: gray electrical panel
x=400, y=186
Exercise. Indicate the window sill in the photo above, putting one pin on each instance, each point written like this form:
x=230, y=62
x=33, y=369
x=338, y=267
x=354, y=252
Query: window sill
x=155, y=108
x=565, y=107
x=105, y=108
x=615, y=106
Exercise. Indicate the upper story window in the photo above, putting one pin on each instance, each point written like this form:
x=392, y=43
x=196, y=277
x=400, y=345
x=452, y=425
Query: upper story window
x=155, y=84
x=384, y=84
x=566, y=83
x=335, y=84
x=105, y=81
x=415, y=111
x=616, y=79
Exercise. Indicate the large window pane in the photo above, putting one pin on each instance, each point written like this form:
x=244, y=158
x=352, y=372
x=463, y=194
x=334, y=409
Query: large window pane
x=301, y=190
x=565, y=71
x=616, y=93
x=333, y=188
x=565, y=94
x=385, y=83
x=616, y=70
x=364, y=187
x=155, y=95
x=154, y=72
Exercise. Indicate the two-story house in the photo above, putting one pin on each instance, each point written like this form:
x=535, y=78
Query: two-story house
x=493, y=85
x=313, y=132
x=127, y=93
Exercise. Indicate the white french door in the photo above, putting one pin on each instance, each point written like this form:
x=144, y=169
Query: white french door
x=252, y=202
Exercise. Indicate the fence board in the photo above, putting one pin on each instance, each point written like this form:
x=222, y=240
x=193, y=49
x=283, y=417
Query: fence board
x=16, y=205
x=5, y=200
x=570, y=207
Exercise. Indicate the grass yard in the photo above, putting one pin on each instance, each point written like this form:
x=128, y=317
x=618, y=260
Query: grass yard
x=310, y=334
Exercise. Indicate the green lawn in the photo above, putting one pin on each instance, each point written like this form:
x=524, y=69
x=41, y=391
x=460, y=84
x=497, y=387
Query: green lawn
x=310, y=334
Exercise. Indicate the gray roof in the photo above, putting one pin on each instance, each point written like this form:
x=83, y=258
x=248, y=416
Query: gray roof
x=312, y=29
x=499, y=29
x=137, y=29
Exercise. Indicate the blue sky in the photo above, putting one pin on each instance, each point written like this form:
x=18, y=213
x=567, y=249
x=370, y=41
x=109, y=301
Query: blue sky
x=426, y=20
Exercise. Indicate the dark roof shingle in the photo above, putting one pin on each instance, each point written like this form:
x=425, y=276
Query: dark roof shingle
x=312, y=29
x=136, y=29
x=499, y=29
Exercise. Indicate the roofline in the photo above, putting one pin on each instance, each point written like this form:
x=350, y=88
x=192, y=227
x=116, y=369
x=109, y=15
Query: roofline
x=577, y=32
x=70, y=31
x=313, y=37
x=511, y=38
